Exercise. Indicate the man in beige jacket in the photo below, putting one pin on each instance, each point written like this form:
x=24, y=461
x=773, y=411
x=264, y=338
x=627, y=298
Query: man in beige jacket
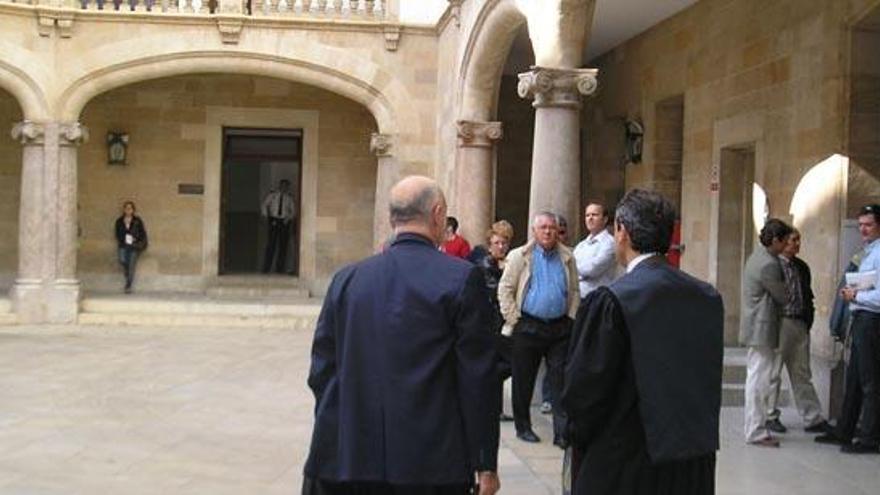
x=538, y=296
x=763, y=296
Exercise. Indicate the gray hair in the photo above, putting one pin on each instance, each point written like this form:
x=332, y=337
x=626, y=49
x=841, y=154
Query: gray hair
x=648, y=218
x=414, y=209
x=545, y=214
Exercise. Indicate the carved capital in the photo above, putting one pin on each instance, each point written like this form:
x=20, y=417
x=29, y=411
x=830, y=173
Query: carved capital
x=478, y=134
x=73, y=134
x=381, y=144
x=557, y=87
x=28, y=133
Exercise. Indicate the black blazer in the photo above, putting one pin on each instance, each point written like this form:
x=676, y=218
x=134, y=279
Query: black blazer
x=136, y=229
x=806, y=290
x=403, y=371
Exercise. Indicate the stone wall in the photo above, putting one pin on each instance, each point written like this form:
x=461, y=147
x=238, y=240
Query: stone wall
x=166, y=122
x=768, y=74
x=10, y=184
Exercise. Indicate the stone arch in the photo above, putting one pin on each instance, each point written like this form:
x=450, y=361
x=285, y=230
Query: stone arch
x=483, y=61
x=19, y=76
x=345, y=77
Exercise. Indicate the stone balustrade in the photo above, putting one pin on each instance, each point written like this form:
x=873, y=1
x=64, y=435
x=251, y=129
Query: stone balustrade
x=377, y=10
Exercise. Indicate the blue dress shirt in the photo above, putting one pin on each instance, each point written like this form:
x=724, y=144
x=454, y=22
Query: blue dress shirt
x=547, y=294
x=869, y=300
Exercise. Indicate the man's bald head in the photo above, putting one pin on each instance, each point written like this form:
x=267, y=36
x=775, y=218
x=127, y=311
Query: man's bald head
x=415, y=202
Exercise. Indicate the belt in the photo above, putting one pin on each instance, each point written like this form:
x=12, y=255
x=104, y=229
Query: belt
x=866, y=313
x=544, y=320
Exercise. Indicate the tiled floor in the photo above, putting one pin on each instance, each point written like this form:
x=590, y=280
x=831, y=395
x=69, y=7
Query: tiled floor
x=226, y=411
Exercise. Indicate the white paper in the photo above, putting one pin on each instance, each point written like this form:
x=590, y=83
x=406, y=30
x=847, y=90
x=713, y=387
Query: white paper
x=861, y=280
x=129, y=239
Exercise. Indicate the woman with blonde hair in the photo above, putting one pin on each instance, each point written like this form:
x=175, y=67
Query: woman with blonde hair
x=498, y=244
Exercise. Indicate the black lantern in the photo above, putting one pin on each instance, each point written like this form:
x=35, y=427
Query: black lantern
x=117, y=148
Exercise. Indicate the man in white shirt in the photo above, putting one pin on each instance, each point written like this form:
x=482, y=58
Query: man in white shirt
x=595, y=255
x=280, y=209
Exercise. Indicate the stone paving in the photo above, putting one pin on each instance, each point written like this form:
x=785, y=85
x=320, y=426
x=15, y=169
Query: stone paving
x=144, y=410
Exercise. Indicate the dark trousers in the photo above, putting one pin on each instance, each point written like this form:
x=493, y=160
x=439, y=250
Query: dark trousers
x=279, y=234
x=128, y=259
x=534, y=339
x=862, y=396
x=313, y=486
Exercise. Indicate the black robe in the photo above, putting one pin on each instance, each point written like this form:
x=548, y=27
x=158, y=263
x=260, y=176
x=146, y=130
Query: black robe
x=643, y=385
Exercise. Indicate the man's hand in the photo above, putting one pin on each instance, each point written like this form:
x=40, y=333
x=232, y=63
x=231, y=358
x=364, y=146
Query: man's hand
x=489, y=484
x=848, y=294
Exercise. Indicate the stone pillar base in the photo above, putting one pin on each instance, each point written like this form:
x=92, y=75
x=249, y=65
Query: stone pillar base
x=28, y=301
x=56, y=303
x=62, y=301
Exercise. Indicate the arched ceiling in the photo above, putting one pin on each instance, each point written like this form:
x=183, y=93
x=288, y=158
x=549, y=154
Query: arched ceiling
x=614, y=22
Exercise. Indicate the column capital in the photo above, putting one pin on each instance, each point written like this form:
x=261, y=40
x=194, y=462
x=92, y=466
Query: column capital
x=475, y=134
x=381, y=144
x=557, y=87
x=29, y=133
x=72, y=134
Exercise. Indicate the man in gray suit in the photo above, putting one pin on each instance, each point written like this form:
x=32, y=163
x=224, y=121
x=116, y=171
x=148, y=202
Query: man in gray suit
x=763, y=296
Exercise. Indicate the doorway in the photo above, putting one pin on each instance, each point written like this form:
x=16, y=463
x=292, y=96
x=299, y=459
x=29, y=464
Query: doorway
x=736, y=231
x=255, y=161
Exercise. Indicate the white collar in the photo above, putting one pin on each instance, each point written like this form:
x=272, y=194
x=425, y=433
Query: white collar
x=638, y=259
x=594, y=237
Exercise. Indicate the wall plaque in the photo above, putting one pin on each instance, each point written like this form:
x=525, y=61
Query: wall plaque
x=191, y=189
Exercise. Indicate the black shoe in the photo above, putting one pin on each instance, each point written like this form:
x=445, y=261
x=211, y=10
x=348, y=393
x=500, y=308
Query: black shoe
x=775, y=426
x=860, y=448
x=528, y=436
x=821, y=427
x=505, y=418
x=831, y=438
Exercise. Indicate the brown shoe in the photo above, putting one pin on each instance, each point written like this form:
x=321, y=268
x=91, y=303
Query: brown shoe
x=766, y=442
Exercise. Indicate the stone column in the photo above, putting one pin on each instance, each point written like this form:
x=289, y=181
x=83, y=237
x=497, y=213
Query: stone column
x=556, y=167
x=387, y=173
x=474, y=183
x=64, y=293
x=27, y=293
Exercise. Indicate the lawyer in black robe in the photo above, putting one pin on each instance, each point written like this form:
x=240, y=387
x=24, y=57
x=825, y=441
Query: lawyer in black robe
x=643, y=380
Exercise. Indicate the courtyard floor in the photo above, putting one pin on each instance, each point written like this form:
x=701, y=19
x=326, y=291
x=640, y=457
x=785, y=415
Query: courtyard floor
x=141, y=410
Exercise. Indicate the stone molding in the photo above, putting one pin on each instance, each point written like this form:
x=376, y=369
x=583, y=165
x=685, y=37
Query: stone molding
x=29, y=133
x=560, y=88
x=381, y=144
x=73, y=134
x=473, y=134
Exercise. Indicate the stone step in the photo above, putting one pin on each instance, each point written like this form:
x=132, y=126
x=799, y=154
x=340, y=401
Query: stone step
x=185, y=304
x=251, y=292
x=297, y=323
x=733, y=374
x=269, y=280
x=178, y=310
x=734, y=378
x=5, y=305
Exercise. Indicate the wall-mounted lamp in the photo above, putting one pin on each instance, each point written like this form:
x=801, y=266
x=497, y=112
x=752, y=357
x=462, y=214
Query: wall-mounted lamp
x=117, y=148
x=635, y=134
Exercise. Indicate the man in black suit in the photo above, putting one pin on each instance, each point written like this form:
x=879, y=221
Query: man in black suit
x=404, y=368
x=643, y=380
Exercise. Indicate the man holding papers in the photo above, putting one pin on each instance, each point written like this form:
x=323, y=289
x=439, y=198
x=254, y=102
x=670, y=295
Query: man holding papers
x=862, y=398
